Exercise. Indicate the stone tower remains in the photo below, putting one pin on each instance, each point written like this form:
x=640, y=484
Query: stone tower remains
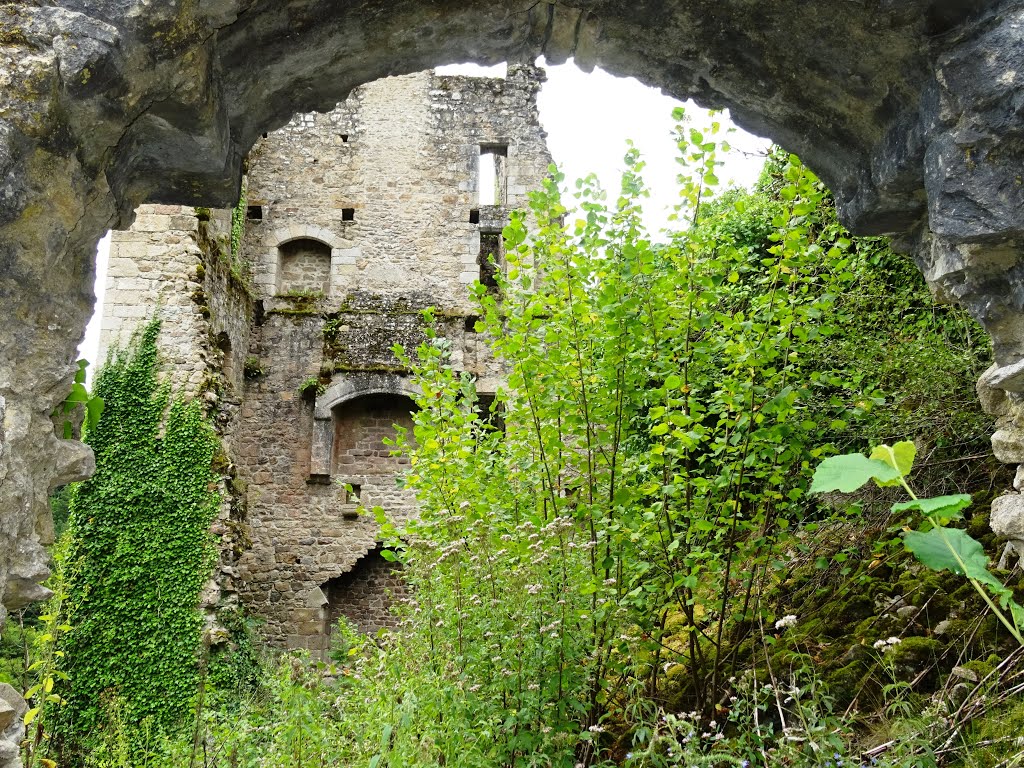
x=283, y=316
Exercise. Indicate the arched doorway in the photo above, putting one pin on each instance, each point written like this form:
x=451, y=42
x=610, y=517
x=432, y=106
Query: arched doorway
x=364, y=595
x=304, y=268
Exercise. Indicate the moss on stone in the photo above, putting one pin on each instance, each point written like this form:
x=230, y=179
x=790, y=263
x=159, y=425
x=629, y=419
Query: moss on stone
x=299, y=311
x=13, y=36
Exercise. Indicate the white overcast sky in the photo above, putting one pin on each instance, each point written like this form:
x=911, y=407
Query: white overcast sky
x=588, y=118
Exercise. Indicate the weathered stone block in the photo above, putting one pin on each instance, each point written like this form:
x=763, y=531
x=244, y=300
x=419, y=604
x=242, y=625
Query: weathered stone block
x=1008, y=445
x=1007, y=517
x=992, y=397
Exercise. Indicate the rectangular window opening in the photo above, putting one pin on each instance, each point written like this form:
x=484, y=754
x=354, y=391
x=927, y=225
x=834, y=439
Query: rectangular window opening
x=474, y=216
x=493, y=174
x=254, y=212
x=490, y=412
x=352, y=497
x=489, y=259
x=348, y=214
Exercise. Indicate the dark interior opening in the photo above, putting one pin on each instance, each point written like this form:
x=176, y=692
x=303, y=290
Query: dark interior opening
x=364, y=594
x=488, y=260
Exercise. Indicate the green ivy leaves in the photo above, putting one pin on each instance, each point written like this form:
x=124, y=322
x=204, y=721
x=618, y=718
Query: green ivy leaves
x=79, y=395
x=140, y=547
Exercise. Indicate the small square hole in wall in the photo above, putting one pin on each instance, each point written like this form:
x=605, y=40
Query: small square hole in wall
x=265, y=135
x=489, y=412
x=352, y=496
x=474, y=216
x=348, y=214
x=344, y=137
x=470, y=323
x=254, y=212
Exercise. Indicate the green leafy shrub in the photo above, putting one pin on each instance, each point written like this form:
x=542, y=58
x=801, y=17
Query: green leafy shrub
x=622, y=543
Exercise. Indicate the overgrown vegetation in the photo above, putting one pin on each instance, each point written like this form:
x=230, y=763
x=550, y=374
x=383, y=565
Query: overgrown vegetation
x=138, y=553
x=626, y=568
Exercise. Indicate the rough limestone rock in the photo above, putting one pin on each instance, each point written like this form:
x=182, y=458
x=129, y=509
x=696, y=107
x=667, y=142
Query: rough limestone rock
x=1008, y=445
x=993, y=399
x=909, y=109
x=1007, y=520
x=1008, y=517
x=12, y=730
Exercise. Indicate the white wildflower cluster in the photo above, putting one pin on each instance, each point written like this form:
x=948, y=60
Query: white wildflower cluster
x=451, y=549
x=886, y=645
x=551, y=629
x=786, y=621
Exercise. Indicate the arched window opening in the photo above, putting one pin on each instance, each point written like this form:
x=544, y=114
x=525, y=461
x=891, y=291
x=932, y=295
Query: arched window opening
x=360, y=428
x=304, y=267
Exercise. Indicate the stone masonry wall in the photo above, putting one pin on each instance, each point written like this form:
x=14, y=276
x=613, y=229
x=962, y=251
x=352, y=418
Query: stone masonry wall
x=361, y=426
x=175, y=262
x=386, y=188
x=153, y=269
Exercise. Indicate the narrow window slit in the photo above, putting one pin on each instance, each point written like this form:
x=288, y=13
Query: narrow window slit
x=492, y=177
x=352, y=496
x=488, y=260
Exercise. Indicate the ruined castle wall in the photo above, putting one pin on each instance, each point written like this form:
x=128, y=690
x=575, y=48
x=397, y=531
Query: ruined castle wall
x=177, y=265
x=153, y=270
x=358, y=220
x=303, y=527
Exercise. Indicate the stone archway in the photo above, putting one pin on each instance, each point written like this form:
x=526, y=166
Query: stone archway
x=910, y=110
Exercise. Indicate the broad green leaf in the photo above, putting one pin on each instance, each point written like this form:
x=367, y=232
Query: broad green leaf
x=95, y=410
x=951, y=549
x=78, y=394
x=1017, y=612
x=900, y=457
x=848, y=473
x=944, y=506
